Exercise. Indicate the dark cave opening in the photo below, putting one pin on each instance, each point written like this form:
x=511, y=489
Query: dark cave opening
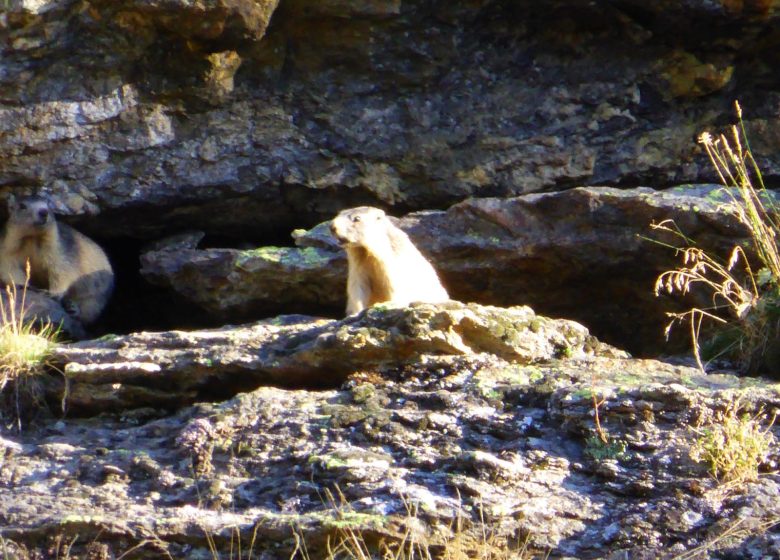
x=138, y=305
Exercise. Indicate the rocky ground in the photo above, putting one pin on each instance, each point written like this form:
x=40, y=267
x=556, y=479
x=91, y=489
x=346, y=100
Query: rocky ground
x=460, y=412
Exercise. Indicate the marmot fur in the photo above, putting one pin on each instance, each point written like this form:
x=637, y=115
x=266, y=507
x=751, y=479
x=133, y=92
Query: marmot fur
x=384, y=265
x=66, y=263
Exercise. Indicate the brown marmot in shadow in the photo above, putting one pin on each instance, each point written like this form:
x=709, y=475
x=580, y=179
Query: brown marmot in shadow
x=384, y=265
x=69, y=265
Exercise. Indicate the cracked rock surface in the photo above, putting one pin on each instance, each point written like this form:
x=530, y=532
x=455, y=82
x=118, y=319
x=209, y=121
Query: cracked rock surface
x=587, y=253
x=245, y=117
x=466, y=412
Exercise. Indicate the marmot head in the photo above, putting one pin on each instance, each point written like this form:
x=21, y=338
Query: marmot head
x=358, y=226
x=31, y=213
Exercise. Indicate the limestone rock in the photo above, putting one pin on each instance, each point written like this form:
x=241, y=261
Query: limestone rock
x=587, y=254
x=245, y=118
x=453, y=435
x=170, y=368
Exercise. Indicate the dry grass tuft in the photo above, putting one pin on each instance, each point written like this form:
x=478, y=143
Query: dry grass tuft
x=745, y=298
x=735, y=445
x=24, y=348
x=467, y=541
x=237, y=549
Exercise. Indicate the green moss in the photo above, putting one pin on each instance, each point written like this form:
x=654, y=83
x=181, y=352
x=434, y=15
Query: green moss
x=271, y=254
x=342, y=416
x=564, y=352
x=535, y=374
x=306, y=257
x=107, y=338
x=490, y=393
x=584, y=393
x=355, y=520
x=328, y=462
x=312, y=256
x=361, y=393
x=510, y=375
x=482, y=238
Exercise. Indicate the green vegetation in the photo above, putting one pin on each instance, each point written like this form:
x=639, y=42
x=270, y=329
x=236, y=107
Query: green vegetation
x=745, y=298
x=737, y=532
x=734, y=445
x=24, y=349
x=598, y=449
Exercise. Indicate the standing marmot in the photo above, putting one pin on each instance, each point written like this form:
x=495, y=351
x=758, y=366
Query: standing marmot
x=72, y=267
x=384, y=265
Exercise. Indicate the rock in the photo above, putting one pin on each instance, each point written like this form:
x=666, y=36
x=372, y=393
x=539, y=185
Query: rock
x=171, y=368
x=229, y=123
x=237, y=285
x=484, y=423
x=163, y=115
x=586, y=254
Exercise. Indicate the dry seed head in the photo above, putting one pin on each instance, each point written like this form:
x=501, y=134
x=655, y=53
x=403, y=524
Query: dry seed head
x=737, y=143
x=738, y=109
x=691, y=255
x=729, y=151
x=681, y=282
x=659, y=282
x=705, y=138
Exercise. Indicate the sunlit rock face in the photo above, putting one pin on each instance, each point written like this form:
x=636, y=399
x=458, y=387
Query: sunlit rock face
x=245, y=118
x=463, y=412
x=588, y=253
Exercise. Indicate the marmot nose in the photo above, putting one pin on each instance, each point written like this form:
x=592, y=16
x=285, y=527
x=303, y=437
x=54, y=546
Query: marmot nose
x=43, y=214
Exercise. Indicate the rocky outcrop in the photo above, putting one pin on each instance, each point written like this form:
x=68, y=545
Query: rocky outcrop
x=172, y=368
x=587, y=254
x=245, y=118
x=492, y=420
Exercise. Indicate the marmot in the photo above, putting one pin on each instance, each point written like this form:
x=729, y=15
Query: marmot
x=384, y=265
x=69, y=265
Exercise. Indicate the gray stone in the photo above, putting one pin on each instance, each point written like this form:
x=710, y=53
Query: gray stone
x=170, y=368
x=244, y=118
x=474, y=418
x=586, y=253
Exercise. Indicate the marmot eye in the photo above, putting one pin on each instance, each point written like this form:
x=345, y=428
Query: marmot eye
x=355, y=219
x=22, y=206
